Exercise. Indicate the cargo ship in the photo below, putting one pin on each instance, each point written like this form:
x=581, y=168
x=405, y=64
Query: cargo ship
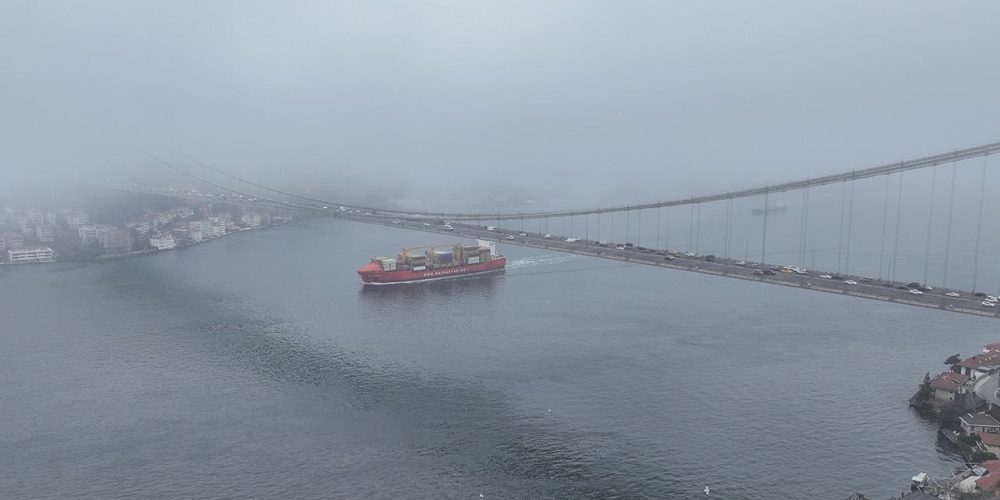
x=414, y=265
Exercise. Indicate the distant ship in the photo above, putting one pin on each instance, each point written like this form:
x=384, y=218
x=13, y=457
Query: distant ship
x=776, y=207
x=434, y=263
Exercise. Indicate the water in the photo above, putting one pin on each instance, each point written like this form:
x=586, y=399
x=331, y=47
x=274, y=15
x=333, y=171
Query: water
x=257, y=366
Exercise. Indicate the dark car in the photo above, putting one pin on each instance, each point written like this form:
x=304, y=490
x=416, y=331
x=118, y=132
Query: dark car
x=902, y=287
x=979, y=294
x=710, y=258
x=914, y=284
x=758, y=272
x=669, y=257
x=768, y=272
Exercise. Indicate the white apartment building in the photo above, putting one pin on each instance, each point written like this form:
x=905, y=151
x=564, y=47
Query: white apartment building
x=87, y=233
x=162, y=241
x=30, y=255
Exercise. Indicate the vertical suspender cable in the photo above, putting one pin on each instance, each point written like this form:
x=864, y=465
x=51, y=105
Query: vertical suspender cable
x=885, y=210
x=659, y=213
x=729, y=226
x=763, y=239
x=666, y=240
x=638, y=229
x=697, y=228
x=979, y=227
x=691, y=230
x=947, y=238
x=802, y=227
x=850, y=219
x=895, y=245
x=628, y=214
x=840, y=233
x=930, y=223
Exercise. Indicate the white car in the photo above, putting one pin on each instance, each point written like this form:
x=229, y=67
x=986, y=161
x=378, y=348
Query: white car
x=690, y=254
x=928, y=288
x=491, y=228
x=395, y=222
x=620, y=247
x=522, y=234
x=427, y=223
x=449, y=227
x=826, y=276
x=992, y=298
x=953, y=294
x=510, y=236
x=547, y=235
x=989, y=304
x=914, y=291
x=572, y=240
x=851, y=282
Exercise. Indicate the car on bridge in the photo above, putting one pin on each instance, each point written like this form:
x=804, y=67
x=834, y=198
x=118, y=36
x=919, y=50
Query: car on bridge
x=914, y=291
x=510, y=237
x=547, y=235
x=826, y=276
x=851, y=282
x=522, y=234
x=491, y=228
x=953, y=294
x=572, y=240
x=989, y=304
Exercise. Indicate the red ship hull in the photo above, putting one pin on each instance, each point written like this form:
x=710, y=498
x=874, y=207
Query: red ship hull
x=373, y=273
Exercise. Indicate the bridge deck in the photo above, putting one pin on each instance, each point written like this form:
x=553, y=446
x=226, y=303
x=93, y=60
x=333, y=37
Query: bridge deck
x=967, y=303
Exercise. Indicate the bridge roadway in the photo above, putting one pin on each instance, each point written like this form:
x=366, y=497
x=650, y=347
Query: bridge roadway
x=866, y=288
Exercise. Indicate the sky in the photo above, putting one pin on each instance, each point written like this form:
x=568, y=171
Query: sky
x=571, y=102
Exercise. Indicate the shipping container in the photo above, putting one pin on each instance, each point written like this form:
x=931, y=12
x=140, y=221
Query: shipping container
x=473, y=260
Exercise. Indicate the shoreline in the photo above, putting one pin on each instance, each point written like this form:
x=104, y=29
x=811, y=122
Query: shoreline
x=142, y=253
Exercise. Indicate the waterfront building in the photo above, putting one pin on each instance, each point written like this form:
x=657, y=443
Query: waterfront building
x=87, y=233
x=115, y=241
x=979, y=422
x=182, y=212
x=200, y=229
x=160, y=220
x=11, y=241
x=252, y=220
x=218, y=227
x=949, y=386
x=985, y=363
x=45, y=233
x=988, y=482
x=35, y=217
x=30, y=255
x=75, y=218
x=161, y=241
x=141, y=226
x=990, y=442
x=18, y=219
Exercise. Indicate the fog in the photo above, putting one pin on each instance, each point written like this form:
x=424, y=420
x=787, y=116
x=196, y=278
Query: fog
x=565, y=103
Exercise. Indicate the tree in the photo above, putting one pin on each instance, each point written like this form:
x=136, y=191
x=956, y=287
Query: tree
x=925, y=388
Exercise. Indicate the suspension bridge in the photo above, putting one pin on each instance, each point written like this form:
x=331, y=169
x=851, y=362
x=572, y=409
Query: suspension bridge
x=764, y=264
